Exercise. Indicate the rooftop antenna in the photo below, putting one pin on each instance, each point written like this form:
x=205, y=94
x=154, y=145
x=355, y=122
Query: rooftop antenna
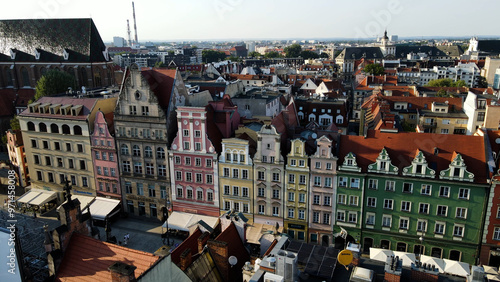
x=128, y=31
x=135, y=26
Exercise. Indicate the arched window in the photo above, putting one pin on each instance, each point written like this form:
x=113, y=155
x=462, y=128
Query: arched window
x=43, y=71
x=83, y=76
x=26, y=77
x=31, y=126
x=77, y=130
x=54, y=128
x=455, y=255
x=65, y=129
x=42, y=127
x=124, y=149
x=160, y=153
x=136, y=151
x=148, y=153
x=8, y=77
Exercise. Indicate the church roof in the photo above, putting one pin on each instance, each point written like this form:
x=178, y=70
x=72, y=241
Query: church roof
x=51, y=38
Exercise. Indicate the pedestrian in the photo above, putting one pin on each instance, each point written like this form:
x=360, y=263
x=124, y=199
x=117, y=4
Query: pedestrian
x=125, y=239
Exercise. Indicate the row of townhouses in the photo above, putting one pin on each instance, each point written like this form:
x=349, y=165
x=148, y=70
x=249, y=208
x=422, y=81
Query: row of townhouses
x=158, y=146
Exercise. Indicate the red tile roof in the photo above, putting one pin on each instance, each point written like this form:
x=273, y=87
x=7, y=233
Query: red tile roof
x=420, y=102
x=401, y=148
x=190, y=243
x=88, y=259
x=161, y=82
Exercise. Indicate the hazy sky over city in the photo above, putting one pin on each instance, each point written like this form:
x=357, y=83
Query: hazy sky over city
x=165, y=20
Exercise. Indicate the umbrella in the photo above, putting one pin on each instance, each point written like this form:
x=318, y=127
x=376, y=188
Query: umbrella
x=380, y=254
x=439, y=263
x=456, y=267
x=407, y=258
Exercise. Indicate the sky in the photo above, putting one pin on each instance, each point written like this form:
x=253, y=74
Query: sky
x=169, y=20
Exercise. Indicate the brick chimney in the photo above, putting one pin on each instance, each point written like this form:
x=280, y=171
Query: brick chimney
x=202, y=241
x=393, y=269
x=121, y=272
x=185, y=259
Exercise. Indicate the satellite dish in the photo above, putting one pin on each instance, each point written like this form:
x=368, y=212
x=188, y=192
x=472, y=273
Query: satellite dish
x=232, y=261
x=497, y=140
x=345, y=257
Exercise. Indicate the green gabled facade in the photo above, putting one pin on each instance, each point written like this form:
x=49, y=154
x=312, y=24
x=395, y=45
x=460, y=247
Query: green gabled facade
x=409, y=192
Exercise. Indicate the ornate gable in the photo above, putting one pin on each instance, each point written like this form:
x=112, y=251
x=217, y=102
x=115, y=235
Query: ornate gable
x=383, y=164
x=457, y=170
x=350, y=163
x=419, y=167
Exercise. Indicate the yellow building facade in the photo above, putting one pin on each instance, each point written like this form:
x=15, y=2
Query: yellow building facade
x=236, y=178
x=296, y=191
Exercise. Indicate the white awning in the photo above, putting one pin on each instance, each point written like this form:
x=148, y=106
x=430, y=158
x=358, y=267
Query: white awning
x=182, y=221
x=103, y=207
x=37, y=197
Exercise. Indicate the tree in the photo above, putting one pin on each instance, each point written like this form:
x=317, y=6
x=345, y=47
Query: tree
x=14, y=123
x=309, y=55
x=54, y=82
x=293, y=51
x=254, y=54
x=210, y=56
x=446, y=82
x=481, y=82
x=234, y=59
x=272, y=54
x=374, y=69
x=324, y=55
x=459, y=83
x=159, y=64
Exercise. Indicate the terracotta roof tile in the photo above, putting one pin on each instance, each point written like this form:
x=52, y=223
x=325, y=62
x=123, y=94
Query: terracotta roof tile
x=161, y=82
x=402, y=147
x=88, y=259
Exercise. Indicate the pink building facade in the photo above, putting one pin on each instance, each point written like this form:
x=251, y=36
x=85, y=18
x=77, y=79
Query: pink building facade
x=106, y=170
x=193, y=165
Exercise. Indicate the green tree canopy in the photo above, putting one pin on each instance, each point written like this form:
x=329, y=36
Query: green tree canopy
x=307, y=54
x=293, y=51
x=54, y=82
x=272, y=54
x=324, y=55
x=14, y=123
x=210, y=56
x=234, y=59
x=446, y=82
x=481, y=82
x=159, y=64
x=254, y=54
x=374, y=69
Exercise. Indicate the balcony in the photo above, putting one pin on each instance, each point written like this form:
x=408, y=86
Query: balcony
x=429, y=124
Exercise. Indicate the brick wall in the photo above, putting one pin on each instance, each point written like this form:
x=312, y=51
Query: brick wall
x=391, y=277
x=417, y=275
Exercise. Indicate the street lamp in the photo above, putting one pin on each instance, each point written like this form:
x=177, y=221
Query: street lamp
x=421, y=238
x=165, y=218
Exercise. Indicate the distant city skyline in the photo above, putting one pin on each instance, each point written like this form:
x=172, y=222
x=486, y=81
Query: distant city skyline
x=159, y=20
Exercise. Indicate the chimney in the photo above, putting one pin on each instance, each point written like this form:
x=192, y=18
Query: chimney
x=121, y=272
x=185, y=259
x=202, y=241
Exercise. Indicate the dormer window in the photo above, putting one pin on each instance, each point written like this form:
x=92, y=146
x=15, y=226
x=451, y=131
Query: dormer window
x=419, y=167
x=457, y=170
x=383, y=164
x=350, y=163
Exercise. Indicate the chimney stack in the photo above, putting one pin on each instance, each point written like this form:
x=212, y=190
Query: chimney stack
x=121, y=272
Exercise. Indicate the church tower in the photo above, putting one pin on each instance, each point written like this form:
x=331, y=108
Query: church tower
x=386, y=47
